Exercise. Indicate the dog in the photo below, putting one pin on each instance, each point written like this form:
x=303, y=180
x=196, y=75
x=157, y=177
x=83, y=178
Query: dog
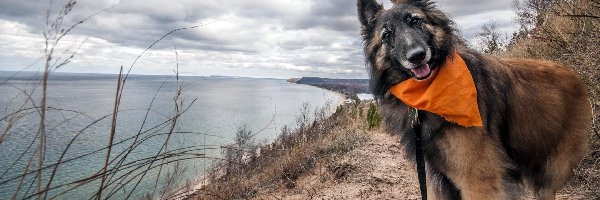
x=535, y=114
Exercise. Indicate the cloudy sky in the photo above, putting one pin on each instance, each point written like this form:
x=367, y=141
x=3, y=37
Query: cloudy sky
x=256, y=38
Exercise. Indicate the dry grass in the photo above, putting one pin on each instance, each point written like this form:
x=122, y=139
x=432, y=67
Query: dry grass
x=281, y=163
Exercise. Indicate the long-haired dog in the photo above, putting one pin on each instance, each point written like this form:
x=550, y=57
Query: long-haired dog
x=535, y=114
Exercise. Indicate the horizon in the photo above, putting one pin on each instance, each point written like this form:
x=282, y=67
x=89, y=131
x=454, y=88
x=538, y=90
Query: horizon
x=255, y=38
x=180, y=75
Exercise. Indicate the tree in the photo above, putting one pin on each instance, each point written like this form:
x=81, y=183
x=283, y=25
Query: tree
x=244, y=148
x=489, y=39
x=531, y=13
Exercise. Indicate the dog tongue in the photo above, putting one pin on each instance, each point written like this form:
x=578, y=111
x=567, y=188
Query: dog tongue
x=421, y=71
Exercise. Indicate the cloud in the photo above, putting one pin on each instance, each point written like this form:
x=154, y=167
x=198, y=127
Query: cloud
x=262, y=38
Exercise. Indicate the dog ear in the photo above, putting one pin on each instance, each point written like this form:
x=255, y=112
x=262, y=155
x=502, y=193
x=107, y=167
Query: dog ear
x=367, y=11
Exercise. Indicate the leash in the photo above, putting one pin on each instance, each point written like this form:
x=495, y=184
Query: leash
x=421, y=173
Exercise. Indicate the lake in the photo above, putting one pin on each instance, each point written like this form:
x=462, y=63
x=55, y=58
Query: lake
x=80, y=113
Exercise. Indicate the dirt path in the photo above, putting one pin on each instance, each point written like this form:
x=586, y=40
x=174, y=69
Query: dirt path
x=376, y=170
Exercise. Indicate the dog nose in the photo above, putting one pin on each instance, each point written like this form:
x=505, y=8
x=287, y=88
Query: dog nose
x=416, y=55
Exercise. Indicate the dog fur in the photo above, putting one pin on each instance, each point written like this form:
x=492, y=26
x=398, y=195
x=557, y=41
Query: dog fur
x=536, y=114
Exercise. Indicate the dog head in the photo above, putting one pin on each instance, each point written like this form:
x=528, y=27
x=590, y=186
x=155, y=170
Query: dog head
x=409, y=40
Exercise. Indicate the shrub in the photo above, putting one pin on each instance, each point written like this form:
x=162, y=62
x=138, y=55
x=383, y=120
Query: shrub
x=373, y=117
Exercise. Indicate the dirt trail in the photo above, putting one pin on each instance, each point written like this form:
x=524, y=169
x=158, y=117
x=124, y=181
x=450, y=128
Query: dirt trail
x=376, y=170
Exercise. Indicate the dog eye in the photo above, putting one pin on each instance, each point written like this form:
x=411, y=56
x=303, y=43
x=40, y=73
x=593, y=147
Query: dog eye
x=385, y=33
x=415, y=20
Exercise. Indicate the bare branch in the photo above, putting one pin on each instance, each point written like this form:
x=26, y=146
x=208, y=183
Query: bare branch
x=582, y=16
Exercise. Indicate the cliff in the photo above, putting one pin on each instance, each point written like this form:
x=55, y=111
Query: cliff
x=345, y=86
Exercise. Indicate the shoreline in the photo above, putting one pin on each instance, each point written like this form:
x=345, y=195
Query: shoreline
x=185, y=192
x=342, y=96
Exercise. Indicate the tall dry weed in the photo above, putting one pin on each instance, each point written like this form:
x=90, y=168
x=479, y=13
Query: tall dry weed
x=120, y=173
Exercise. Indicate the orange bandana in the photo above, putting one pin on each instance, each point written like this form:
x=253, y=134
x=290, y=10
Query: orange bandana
x=450, y=93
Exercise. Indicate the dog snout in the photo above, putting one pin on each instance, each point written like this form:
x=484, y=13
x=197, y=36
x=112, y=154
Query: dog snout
x=416, y=55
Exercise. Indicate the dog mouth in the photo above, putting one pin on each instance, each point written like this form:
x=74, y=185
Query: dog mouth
x=422, y=71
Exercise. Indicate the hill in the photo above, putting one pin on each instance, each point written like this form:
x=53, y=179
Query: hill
x=345, y=86
x=345, y=156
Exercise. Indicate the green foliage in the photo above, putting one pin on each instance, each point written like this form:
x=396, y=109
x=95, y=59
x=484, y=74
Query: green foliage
x=339, y=110
x=373, y=117
x=242, y=151
x=244, y=138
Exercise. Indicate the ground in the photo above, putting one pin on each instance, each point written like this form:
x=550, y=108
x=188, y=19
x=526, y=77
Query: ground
x=376, y=170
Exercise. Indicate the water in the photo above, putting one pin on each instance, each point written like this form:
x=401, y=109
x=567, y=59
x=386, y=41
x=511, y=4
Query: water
x=365, y=96
x=80, y=111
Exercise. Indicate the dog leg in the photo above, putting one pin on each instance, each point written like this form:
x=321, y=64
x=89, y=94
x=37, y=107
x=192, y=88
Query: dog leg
x=473, y=163
x=559, y=166
x=433, y=191
x=440, y=188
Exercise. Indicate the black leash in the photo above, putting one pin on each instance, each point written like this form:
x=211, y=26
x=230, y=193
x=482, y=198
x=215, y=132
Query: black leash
x=416, y=128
